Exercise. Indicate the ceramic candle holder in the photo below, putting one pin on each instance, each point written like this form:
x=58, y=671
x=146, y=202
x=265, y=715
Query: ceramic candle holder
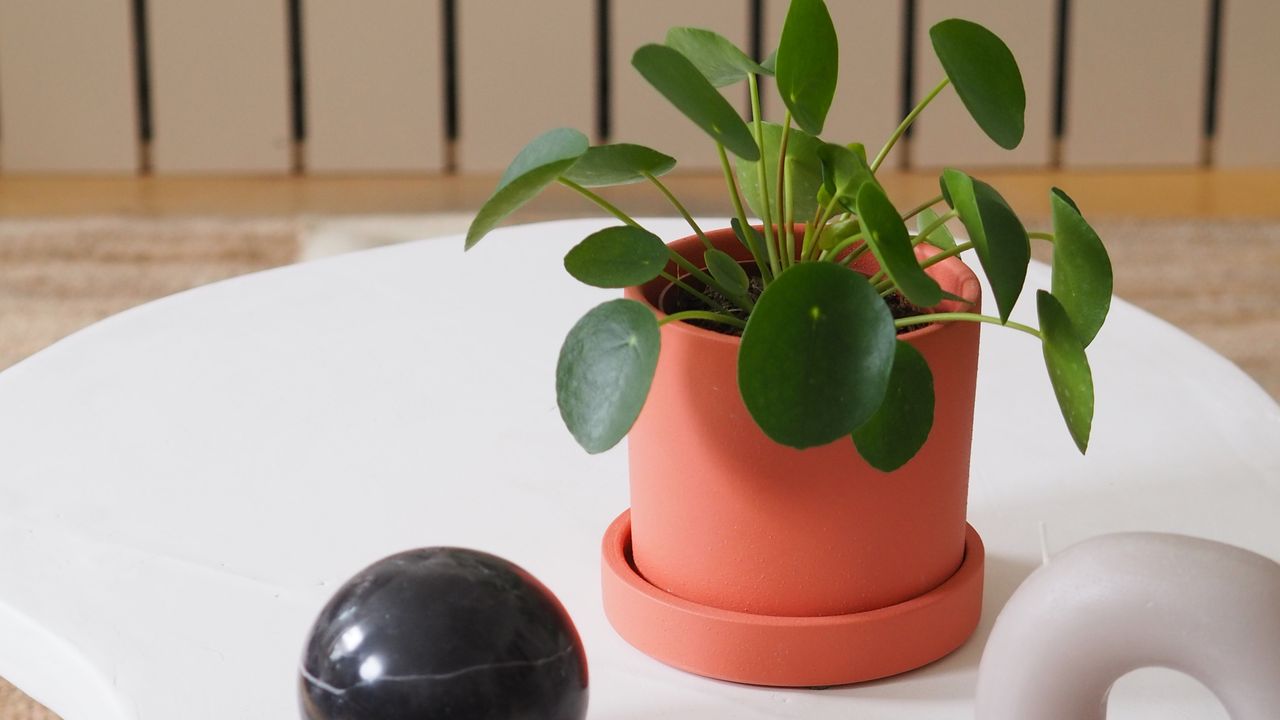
x=1117, y=603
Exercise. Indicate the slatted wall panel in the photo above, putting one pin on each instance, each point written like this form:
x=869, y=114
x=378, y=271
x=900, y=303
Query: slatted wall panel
x=639, y=114
x=220, y=86
x=1135, y=82
x=374, y=74
x=375, y=78
x=1249, y=90
x=944, y=134
x=869, y=95
x=523, y=68
x=67, y=87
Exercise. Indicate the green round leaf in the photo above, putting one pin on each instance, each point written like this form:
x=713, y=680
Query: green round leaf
x=1068, y=367
x=1082, y=279
x=673, y=75
x=727, y=271
x=805, y=172
x=715, y=56
x=816, y=355
x=617, y=257
x=750, y=238
x=986, y=77
x=997, y=235
x=900, y=427
x=941, y=237
x=535, y=167
x=606, y=367
x=618, y=164
x=844, y=172
x=834, y=233
x=891, y=244
x=808, y=57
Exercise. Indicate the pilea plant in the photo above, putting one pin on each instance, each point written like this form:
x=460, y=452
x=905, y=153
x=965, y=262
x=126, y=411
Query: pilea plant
x=819, y=358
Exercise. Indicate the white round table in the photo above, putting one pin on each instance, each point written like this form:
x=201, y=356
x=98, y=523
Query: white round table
x=182, y=486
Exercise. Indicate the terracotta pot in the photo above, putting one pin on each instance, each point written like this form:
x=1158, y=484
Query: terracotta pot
x=727, y=520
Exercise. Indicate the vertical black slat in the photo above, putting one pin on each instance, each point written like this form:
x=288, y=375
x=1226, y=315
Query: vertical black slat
x=449, y=25
x=1060, y=69
x=908, y=59
x=297, y=91
x=755, y=40
x=142, y=69
x=604, y=66
x=755, y=16
x=1212, y=69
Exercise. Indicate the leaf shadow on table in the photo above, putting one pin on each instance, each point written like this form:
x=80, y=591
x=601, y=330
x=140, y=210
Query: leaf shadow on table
x=954, y=676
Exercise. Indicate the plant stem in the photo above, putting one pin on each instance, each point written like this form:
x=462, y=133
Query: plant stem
x=1041, y=236
x=703, y=315
x=963, y=317
x=605, y=204
x=763, y=176
x=952, y=252
x=788, y=253
x=922, y=207
x=811, y=233
x=906, y=123
x=689, y=289
x=928, y=229
x=765, y=274
x=681, y=208
x=788, y=222
x=834, y=253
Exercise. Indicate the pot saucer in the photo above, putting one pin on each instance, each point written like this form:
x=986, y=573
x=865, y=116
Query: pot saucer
x=789, y=651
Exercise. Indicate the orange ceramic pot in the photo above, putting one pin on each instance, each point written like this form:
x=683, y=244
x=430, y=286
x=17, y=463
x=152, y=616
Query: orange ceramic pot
x=726, y=521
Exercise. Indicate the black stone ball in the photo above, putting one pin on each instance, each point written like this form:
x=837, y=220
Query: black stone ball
x=443, y=633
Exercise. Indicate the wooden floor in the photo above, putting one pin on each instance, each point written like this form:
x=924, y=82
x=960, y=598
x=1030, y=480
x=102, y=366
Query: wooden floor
x=1173, y=194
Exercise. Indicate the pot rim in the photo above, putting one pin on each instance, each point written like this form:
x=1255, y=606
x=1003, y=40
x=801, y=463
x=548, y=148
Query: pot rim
x=968, y=288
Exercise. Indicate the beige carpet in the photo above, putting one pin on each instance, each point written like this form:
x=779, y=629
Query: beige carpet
x=1216, y=280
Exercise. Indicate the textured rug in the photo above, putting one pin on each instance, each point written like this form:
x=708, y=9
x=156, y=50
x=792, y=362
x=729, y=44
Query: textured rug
x=1214, y=279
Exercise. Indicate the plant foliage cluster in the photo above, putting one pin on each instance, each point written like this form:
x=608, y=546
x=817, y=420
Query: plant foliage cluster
x=820, y=358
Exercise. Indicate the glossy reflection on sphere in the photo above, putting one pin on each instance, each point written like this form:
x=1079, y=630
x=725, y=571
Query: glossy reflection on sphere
x=442, y=633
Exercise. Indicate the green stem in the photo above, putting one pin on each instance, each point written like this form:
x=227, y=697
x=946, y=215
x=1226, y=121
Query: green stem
x=763, y=176
x=689, y=289
x=922, y=207
x=681, y=208
x=906, y=123
x=605, y=204
x=841, y=246
x=765, y=274
x=810, y=235
x=824, y=214
x=1041, y=236
x=963, y=317
x=951, y=252
x=703, y=315
x=928, y=229
x=788, y=222
x=789, y=253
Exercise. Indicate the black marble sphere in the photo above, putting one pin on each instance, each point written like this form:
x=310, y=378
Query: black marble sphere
x=443, y=633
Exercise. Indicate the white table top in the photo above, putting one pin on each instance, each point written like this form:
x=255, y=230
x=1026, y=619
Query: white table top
x=183, y=485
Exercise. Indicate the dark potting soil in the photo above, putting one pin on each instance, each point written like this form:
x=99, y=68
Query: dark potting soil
x=675, y=299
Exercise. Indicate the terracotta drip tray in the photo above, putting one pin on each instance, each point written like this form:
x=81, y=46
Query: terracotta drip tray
x=789, y=651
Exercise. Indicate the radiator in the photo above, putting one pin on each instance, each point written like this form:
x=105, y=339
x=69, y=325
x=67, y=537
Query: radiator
x=172, y=87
